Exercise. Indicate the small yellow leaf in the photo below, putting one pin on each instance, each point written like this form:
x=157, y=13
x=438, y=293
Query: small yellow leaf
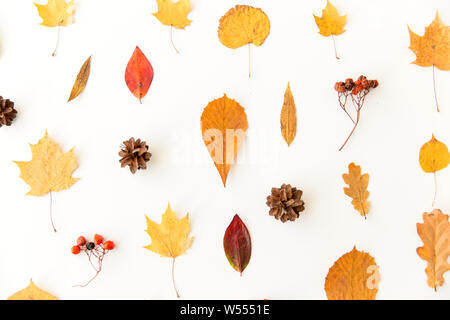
x=357, y=188
x=434, y=156
x=243, y=25
x=81, y=80
x=32, y=292
x=433, y=49
x=173, y=14
x=56, y=13
x=170, y=238
x=288, y=117
x=49, y=169
x=331, y=22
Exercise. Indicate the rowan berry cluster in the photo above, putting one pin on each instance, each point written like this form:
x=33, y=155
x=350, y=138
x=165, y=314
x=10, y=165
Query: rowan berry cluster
x=355, y=86
x=357, y=91
x=96, y=250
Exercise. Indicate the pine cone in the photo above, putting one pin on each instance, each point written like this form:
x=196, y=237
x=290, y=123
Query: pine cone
x=7, y=112
x=285, y=203
x=134, y=154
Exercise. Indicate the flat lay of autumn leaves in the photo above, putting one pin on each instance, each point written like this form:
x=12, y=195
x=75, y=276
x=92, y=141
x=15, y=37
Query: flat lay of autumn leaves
x=241, y=150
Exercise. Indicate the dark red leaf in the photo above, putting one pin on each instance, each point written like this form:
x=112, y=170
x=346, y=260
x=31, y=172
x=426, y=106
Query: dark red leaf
x=237, y=244
x=139, y=74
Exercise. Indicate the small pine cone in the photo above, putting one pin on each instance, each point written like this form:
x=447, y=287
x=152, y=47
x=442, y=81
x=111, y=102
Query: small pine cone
x=134, y=154
x=285, y=203
x=7, y=112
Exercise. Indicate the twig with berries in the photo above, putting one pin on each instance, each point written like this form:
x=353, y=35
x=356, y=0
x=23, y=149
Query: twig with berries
x=95, y=250
x=357, y=91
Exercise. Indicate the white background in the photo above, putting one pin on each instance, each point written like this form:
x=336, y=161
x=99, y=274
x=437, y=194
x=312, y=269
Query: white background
x=289, y=261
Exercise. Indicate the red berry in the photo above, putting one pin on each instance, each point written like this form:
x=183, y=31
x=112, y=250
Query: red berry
x=75, y=250
x=81, y=241
x=375, y=84
x=108, y=245
x=98, y=239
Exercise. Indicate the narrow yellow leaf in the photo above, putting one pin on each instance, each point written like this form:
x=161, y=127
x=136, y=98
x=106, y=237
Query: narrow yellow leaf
x=288, y=117
x=81, y=80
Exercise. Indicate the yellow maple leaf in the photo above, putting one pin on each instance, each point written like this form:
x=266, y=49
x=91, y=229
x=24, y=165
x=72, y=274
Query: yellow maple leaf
x=49, y=170
x=433, y=48
x=357, y=188
x=56, y=13
x=170, y=238
x=32, y=292
x=331, y=23
x=435, y=234
x=173, y=14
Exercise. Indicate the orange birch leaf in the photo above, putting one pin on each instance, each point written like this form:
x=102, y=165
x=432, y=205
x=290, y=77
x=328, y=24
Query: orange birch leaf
x=288, y=117
x=32, y=292
x=435, y=234
x=354, y=276
x=139, y=74
x=224, y=124
x=357, y=188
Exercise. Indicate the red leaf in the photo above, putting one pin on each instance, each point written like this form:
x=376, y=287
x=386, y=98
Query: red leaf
x=139, y=74
x=237, y=244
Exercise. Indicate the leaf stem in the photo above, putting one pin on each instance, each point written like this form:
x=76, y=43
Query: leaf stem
x=434, y=87
x=435, y=188
x=335, y=50
x=51, y=211
x=57, y=42
x=173, y=277
x=171, y=39
x=249, y=63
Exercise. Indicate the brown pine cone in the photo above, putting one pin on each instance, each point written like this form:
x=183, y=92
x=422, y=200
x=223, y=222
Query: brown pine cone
x=7, y=112
x=134, y=154
x=285, y=203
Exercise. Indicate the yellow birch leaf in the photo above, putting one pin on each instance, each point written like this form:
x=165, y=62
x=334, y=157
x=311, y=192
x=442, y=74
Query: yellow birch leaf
x=354, y=276
x=56, y=13
x=81, y=80
x=170, y=238
x=288, y=117
x=433, y=48
x=357, y=188
x=331, y=23
x=49, y=168
x=32, y=292
x=435, y=234
x=243, y=25
x=174, y=14
x=434, y=156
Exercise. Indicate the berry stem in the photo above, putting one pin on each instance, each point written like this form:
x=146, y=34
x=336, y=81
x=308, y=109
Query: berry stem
x=57, y=42
x=434, y=87
x=173, y=277
x=335, y=50
x=51, y=211
x=171, y=39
